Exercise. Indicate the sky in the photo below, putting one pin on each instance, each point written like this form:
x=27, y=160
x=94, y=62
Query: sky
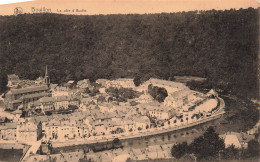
x=94, y=7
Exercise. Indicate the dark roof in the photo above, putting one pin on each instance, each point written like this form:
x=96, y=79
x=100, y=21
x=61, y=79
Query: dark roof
x=42, y=94
x=29, y=89
x=36, y=95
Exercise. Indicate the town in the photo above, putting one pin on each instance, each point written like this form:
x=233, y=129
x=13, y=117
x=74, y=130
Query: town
x=90, y=110
x=133, y=84
x=38, y=111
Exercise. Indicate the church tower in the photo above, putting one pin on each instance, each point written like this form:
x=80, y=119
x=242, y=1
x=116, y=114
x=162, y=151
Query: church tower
x=46, y=77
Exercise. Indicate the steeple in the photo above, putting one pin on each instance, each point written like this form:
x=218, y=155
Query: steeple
x=46, y=77
x=46, y=71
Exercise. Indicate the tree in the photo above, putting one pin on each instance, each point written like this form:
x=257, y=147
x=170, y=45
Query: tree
x=188, y=158
x=253, y=148
x=122, y=94
x=119, y=130
x=179, y=150
x=112, y=91
x=187, y=119
x=209, y=144
x=158, y=93
x=48, y=113
x=116, y=141
x=137, y=80
x=230, y=153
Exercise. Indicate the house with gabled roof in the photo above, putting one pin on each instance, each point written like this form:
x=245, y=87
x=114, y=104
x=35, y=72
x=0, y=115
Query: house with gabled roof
x=160, y=112
x=28, y=132
x=8, y=131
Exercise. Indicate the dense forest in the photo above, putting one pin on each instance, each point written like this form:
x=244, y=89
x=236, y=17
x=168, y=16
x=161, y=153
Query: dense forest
x=219, y=45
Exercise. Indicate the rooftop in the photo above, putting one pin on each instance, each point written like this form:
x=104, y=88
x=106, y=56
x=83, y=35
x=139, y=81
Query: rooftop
x=180, y=93
x=29, y=89
x=27, y=126
x=160, y=108
x=41, y=94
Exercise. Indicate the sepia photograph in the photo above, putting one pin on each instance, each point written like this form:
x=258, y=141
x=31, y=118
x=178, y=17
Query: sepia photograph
x=129, y=81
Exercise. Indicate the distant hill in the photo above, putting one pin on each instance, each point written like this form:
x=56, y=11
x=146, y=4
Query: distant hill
x=218, y=45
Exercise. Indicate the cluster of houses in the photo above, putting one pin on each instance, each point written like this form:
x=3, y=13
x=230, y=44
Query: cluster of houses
x=97, y=121
x=99, y=115
x=22, y=132
x=38, y=95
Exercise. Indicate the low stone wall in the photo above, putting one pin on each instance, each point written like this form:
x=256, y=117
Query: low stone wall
x=171, y=137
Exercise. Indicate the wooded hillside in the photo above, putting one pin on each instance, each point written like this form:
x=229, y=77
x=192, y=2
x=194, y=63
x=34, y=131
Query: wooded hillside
x=219, y=45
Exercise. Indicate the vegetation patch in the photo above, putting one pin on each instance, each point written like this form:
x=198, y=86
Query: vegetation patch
x=221, y=46
x=158, y=93
x=210, y=147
